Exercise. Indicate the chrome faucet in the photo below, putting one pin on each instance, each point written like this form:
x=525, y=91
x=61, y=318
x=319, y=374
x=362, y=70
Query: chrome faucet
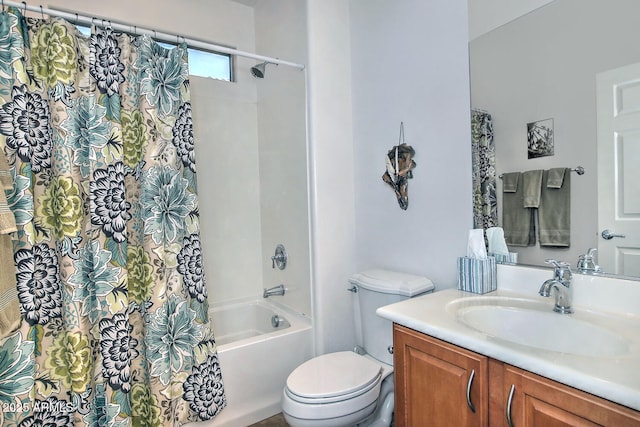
x=561, y=283
x=586, y=264
x=276, y=290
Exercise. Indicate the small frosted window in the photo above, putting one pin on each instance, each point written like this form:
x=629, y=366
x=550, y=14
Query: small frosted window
x=209, y=64
x=201, y=62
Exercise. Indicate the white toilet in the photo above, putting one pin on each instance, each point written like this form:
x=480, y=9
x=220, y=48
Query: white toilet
x=351, y=388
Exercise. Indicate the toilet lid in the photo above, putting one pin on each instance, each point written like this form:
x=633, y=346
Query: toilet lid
x=333, y=374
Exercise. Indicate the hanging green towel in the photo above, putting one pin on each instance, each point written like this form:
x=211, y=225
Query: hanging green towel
x=531, y=186
x=10, y=316
x=510, y=182
x=554, y=213
x=517, y=221
x=556, y=178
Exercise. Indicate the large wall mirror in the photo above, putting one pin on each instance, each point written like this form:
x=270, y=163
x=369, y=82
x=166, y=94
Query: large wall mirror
x=544, y=65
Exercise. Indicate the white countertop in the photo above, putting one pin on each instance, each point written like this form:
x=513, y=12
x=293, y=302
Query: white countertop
x=616, y=378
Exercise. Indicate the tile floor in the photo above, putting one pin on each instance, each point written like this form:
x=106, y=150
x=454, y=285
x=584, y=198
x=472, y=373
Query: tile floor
x=278, y=421
x=275, y=421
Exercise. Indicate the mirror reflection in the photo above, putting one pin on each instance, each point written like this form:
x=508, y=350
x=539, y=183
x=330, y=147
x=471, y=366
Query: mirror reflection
x=545, y=66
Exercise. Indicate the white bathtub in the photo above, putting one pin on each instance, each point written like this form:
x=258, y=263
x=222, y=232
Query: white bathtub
x=256, y=358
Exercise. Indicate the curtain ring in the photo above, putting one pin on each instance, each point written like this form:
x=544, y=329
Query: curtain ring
x=24, y=3
x=77, y=18
x=41, y=12
x=93, y=24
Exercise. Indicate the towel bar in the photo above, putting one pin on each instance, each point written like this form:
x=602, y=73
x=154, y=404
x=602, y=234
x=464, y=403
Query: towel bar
x=579, y=170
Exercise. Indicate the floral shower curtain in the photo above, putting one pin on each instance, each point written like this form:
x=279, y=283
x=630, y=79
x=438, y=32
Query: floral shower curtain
x=485, y=207
x=98, y=135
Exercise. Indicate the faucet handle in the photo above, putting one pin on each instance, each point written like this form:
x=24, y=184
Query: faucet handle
x=562, y=270
x=586, y=263
x=280, y=257
x=557, y=264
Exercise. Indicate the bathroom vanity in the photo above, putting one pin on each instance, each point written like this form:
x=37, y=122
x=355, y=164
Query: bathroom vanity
x=438, y=383
x=506, y=359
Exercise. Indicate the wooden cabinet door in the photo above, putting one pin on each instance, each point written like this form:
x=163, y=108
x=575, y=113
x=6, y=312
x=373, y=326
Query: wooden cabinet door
x=432, y=378
x=538, y=401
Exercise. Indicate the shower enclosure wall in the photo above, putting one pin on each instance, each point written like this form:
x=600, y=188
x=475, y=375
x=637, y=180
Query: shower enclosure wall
x=251, y=154
x=252, y=166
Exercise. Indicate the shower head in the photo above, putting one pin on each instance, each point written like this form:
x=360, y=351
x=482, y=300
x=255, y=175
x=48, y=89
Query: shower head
x=258, y=70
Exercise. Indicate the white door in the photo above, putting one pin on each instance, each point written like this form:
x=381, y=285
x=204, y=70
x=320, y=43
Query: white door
x=618, y=108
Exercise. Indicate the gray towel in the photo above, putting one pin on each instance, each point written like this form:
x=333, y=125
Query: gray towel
x=556, y=178
x=554, y=213
x=517, y=221
x=531, y=185
x=510, y=182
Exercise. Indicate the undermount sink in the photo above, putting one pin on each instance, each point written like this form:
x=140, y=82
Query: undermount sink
x=532, y=324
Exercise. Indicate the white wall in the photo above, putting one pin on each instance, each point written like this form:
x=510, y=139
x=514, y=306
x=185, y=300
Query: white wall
x=226, y=130
x=373, y=64
x=521, y=74
x=211, y=20
x=410, y=64
x=487, y=15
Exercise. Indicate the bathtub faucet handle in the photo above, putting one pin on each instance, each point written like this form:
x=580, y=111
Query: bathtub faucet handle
x=279, y=258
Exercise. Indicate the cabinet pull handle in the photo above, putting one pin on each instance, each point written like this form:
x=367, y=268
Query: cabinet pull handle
x=509, y=420
x=473, y=374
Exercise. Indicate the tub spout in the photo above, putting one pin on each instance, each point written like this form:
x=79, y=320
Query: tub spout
x=276, y=290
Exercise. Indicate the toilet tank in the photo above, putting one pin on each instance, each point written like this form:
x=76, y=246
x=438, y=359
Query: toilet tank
x=377, y=288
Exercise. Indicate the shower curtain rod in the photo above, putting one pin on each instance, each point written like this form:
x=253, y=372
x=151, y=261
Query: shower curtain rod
x=165, y=37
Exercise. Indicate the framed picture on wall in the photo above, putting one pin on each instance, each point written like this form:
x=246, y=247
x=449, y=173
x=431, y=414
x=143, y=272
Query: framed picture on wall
x=540, y=138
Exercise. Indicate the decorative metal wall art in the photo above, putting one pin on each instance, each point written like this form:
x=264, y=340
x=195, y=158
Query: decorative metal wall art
x=400, y=165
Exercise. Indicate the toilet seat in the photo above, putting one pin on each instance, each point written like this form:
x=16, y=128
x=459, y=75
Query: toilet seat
x=333, y=377
x=333, y=385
